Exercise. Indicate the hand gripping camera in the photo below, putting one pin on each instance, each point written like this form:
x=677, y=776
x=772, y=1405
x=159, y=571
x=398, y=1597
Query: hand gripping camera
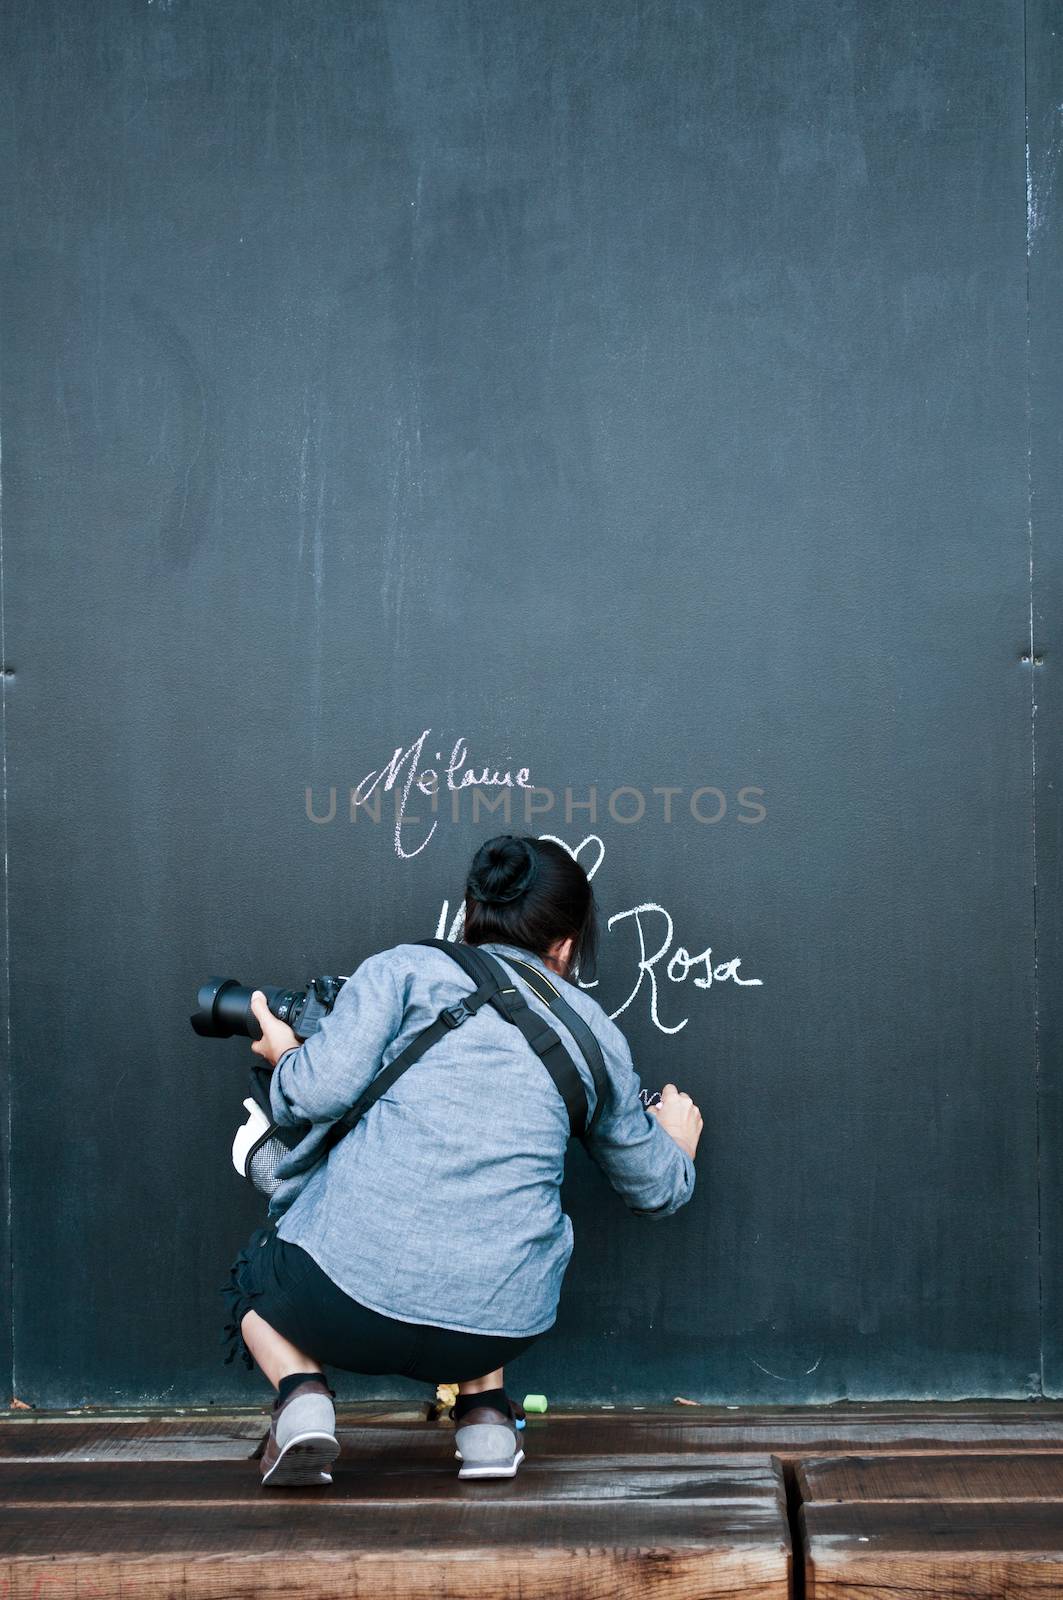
x=223, y=1007
x=223, y=1011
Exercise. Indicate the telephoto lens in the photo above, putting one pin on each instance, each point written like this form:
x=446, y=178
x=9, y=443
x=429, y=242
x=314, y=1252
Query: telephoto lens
x=223, y=1008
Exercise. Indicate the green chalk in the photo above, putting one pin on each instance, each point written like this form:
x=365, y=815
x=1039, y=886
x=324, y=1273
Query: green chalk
x=535, y=1402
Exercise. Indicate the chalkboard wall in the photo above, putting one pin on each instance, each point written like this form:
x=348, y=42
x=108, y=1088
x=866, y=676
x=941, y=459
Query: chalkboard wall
x=663, y=398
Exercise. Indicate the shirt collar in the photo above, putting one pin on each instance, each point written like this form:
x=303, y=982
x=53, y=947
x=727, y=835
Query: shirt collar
x=522, y=955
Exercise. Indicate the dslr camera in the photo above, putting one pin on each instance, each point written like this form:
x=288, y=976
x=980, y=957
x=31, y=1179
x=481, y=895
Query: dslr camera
x=223, y=1007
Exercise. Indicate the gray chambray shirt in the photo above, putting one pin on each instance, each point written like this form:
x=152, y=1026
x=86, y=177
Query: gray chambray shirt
x=443, y=1204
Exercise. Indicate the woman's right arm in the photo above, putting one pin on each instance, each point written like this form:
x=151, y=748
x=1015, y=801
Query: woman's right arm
x=324, y=1077
x=649, y=1165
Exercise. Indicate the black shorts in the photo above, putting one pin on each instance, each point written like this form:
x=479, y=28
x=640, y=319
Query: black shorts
x=290, y=1291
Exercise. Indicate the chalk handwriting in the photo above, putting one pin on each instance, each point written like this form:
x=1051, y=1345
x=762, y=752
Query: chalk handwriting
x=429, y=782
x=654, y=929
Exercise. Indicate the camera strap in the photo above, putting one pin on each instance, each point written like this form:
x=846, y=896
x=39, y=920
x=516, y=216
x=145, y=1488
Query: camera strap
x=479, y=965
x=494, y=987
x=508, y=1001
x=449, y=1018
x=591, y=1050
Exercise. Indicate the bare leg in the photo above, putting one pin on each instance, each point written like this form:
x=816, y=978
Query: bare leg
x=274, y=1354
x=492, y=1380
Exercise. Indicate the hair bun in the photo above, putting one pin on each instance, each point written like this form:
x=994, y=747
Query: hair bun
x=501, y=870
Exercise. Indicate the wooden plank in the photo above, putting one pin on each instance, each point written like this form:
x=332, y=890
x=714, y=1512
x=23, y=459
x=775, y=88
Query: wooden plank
x=901, y=1550
x=736, y=1480
x=103, y=1439
x=787, y=1432
x=487, y=1548
x=560, y=1437
x=1001, y=1475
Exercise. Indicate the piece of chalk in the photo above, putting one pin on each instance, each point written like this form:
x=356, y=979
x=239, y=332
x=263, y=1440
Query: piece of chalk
x=535, y=1402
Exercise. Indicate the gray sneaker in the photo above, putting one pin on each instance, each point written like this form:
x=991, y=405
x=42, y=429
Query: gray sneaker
x=302, y=1443
x=487, y=1444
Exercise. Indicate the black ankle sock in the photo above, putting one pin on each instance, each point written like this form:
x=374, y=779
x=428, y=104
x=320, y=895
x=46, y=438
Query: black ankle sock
x=292, y=1380
x=487, y=1397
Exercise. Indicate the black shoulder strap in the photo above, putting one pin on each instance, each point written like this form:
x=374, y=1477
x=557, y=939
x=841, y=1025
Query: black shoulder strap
x=492, y=987
x=449, y=1018
x=552, y=997
x=510, y=1004
x=472, y=961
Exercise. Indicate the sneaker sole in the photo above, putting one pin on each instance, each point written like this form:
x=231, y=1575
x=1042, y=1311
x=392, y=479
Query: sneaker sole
x=304, y=1462
x=457, y=1452
x=494, y=1470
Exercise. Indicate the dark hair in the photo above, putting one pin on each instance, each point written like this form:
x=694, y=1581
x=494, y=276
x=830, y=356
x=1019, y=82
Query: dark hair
x=531, y=893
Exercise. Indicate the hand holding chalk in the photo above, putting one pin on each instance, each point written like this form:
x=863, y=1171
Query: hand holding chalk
x=679, y=1117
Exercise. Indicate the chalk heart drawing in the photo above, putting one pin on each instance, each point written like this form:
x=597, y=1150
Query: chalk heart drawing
x=591, y=839
x=654, y=930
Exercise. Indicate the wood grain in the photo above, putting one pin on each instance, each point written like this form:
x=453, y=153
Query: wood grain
x=408, y=1550
x=399, y=1524
x=935, y=1501
x=718, y=1480
x=1006, y=1475
x=788, y=1432
x=900, y=1550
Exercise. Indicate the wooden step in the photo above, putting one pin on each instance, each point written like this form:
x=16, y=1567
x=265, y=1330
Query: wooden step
x=902, y=1550
x=996, y=1475
x=792, y=1433
x=901, y=1501
x=409, y=1531
x=718, y=1480
x=978, y=1524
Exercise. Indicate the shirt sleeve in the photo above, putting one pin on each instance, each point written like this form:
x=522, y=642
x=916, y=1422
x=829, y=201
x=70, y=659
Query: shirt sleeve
x=641, y=1160
x=324, y=1076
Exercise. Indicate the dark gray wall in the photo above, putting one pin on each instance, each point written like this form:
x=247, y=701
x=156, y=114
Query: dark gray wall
x=648, y=394
x=1045, y=67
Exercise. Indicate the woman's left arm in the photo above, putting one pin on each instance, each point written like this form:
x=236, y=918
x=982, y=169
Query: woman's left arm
x=320, y=1078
